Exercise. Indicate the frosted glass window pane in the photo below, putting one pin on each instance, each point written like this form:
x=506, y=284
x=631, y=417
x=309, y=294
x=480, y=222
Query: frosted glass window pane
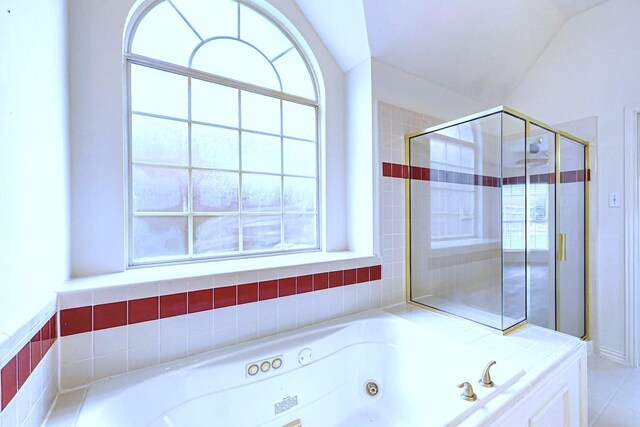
x=299, y=120
x=453, y=202
x=453, y=154
x=210, y=18
x=261, y=113
x=438, y=226
x=159, y=237
x=214, y=147
x=437, y=151
x=260, y=193
x=159, y=140
x=299, y=194
x=260, y=153
x=215, y=191
x=453, y=226
x=216, y=234
x=158, y=92
x=262, y=33
x=236, y=60
x=294, y=75
x=215, y=104
x=437, y=200
x=299, y=231
x=160, y=189
x=467, y=157
x=299, y=157
x=261, y=232
x=163, y=34
x=467, y=227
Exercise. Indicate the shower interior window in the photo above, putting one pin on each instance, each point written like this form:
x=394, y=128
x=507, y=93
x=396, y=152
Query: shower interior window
x=513, y=224
x=453, y=212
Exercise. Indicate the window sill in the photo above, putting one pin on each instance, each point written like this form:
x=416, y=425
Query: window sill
x=185, y=271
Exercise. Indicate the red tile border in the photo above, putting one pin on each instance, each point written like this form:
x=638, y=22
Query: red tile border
x=304, y=284
x=320, y=281
x=268, y=290
x=200, y=300
x=109, y=315
x=173, y=305
x=336, y=279
x=224, y=297
x=75, y=321
x=91, y=318
x=350, y=277
x=36, y=350
x=286, y=287
x=8, y=382
x=143, y=310
x=247, y=293
x=19, y=368
x=24, y=364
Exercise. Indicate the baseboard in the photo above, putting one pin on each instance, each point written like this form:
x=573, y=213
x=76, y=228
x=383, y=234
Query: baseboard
x=613, y=355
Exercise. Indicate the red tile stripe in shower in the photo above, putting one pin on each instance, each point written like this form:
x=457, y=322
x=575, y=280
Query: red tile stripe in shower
x=395, y=170
x=92, y=318
x=16, y=371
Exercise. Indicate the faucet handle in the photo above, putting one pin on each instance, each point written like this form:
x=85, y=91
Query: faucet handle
x=467, y=393
x=485, y=380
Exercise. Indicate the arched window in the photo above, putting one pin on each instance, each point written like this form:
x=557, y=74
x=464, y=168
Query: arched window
x=222, y=134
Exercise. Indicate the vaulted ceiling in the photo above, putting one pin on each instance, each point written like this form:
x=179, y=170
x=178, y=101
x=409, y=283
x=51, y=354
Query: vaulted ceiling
x=479, y=48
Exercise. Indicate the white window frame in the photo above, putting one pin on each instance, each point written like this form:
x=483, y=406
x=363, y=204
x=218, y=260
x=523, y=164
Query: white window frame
x=130, y=58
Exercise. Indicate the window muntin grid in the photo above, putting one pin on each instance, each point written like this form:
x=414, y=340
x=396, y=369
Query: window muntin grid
x=537, y=236
x=453, y=212
x=266, y=144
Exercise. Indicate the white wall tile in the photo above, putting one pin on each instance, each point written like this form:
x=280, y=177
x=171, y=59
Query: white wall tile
x=224, y=318
x=110, y=340
x=200, y=323
x=74, y=348
x=143, y=357
x=200, y=343
x=76, y=374
x=173, y=349
x=224, y=337
x=173, y=327
x=268, y=317
x=112, y=364
x=144, y=334
x=77, y=299
x=115, y=294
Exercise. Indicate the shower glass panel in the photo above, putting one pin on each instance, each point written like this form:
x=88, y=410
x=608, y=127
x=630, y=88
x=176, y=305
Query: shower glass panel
x=497, y=222
x=541, y=236
x=571, y=251
x=458, y=258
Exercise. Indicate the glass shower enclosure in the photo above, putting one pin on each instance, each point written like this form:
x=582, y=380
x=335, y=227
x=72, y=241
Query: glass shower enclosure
x=497, y=222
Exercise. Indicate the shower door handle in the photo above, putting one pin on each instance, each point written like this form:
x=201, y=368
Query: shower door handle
x=562, y=247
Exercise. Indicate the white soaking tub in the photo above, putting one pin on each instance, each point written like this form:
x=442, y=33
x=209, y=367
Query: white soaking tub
x=321, y=381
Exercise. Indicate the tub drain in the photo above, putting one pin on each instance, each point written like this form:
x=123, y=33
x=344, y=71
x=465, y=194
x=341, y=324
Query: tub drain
x=372, y=388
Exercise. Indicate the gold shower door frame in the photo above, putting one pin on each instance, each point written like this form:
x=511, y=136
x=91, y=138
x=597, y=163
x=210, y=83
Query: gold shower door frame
x=560, y=246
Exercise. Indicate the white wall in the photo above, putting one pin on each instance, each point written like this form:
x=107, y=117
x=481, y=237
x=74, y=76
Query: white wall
x=359, y=154
x=97, y=168
x=405, y=90
x=591, y=68
x=33, y=155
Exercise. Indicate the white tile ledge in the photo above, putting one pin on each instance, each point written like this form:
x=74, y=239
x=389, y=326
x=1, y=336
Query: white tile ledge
x=21, y=319
x=187, y=271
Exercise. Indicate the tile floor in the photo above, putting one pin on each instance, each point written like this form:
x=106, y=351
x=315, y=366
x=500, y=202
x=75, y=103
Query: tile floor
x=614, y=394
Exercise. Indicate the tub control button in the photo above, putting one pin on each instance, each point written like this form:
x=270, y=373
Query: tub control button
x=265, y=366
x=304, y=357
x=253, y=369
x=276, y=363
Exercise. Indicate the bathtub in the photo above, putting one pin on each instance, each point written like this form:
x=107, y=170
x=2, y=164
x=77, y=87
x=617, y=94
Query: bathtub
x=373, y=369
